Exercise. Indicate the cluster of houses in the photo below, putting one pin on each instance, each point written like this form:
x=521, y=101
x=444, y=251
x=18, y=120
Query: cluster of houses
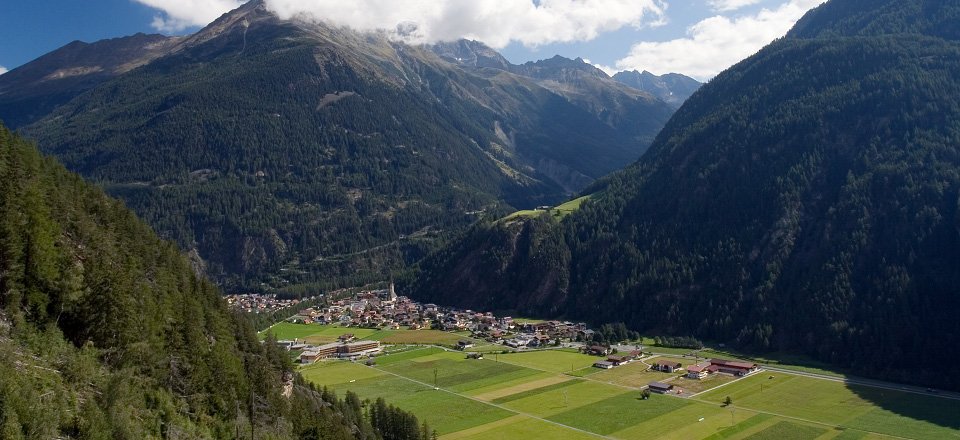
x=371, y=309
x=537, y=334
x=698, y=371
x=612, y=360
x=384, y=309
x=256, y=303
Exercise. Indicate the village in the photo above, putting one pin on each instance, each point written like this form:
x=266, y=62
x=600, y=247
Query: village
x=385, y=310
x=260, y=303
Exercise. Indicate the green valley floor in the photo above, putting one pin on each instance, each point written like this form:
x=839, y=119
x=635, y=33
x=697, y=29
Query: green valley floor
x=556, y=394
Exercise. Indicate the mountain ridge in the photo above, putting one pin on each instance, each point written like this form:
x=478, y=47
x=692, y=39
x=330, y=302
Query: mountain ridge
x=254, y=125
x=804, y=200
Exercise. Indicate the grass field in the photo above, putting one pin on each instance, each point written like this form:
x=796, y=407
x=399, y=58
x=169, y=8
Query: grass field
x=694, y=386
x=450, y=370
x=322, y=334
x=420, y=337
x=634, y=375
x=446, y=412
x=850, y=406
x=520, y=427
x=522, y=320
x=512, y=387
x=618, y=412
x=317, y=334
x=559, y=211
x=529, y=395
x=557, y=361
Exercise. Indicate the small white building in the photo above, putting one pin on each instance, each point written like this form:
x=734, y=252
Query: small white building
x=606, y=365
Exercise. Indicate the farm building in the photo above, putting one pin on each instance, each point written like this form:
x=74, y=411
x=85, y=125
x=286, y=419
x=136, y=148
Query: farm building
x=604, y=364
x=660, y=387
x=666, y=366
x=598, y=350
x=464, y=344
x=359, y=348
x=736, y=368
x=618, y=360
x=698, y=371
x=309, y=357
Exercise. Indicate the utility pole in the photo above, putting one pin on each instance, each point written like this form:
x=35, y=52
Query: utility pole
x=435, y=377
x=251, y=413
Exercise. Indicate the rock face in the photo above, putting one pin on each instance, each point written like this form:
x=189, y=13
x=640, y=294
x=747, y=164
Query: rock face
x=472, y=54
x=268, y=144
x=807, y=199
x=672, y=88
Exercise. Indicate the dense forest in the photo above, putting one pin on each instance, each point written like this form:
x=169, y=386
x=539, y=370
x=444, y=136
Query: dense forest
x=807, y=199
x=106, y=332
x=287, y=153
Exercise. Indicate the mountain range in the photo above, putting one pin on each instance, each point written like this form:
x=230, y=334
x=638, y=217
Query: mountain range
x=806, y=200
x=294, y=153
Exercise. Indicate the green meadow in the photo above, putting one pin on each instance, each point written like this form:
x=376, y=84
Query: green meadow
x=848, y=406
x=321, y=334
x=532, y=395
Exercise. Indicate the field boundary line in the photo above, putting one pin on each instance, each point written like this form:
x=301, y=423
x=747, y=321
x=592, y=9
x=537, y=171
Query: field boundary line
x=801, y=419
x=532, y=416
x=849, y=380
x=719, y=386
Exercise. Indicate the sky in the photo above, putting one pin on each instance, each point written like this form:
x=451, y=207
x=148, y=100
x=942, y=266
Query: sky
x=699, y=38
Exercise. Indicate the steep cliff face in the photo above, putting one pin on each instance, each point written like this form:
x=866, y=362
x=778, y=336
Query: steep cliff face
x=672, y=88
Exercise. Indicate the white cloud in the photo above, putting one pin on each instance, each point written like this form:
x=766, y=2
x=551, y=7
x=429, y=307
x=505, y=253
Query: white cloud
x=730, y=5
x=177, y=15
x=3, y=70
x=606, y=69
x=495, y=22
x=716, y=43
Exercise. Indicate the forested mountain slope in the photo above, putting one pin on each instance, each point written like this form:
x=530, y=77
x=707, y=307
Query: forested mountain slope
x=106, y=332
x=806, y=199
x=289, y=152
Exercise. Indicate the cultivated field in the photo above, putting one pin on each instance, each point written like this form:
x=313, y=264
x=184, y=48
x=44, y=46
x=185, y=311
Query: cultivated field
x=322, y=334
x=870, y=409
x=530, y=395
x=557, y=361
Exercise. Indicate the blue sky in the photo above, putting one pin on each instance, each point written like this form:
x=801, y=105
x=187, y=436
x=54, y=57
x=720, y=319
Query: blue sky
x=694, y=37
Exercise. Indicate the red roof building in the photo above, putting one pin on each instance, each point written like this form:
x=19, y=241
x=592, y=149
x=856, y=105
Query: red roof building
x=738, y=368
